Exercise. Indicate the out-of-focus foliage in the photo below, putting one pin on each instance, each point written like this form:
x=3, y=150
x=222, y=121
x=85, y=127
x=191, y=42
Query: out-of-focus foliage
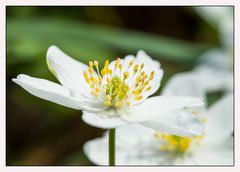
x=43, y=133
x=95, y=41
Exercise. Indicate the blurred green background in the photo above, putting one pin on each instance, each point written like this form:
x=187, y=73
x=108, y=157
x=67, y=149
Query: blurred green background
x=43, y=133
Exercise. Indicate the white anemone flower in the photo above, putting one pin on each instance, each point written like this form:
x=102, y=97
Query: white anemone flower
x=213, y=72
x=143, y=146
x=116, y=95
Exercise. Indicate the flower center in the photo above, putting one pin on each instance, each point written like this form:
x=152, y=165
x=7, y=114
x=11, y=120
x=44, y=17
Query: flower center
x=115, y=86
x=177, y=144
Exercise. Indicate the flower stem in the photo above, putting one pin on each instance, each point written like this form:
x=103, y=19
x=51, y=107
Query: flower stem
x=111, y=148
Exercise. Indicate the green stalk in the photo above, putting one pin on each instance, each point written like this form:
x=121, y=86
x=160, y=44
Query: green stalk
x=111, y=148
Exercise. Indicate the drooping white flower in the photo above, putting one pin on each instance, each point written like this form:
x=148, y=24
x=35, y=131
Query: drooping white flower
x=143, y=146
x=116, y=95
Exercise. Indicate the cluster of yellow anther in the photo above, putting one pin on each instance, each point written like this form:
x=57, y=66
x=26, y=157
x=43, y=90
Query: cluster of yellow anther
x=176, y=144
x=117, y=86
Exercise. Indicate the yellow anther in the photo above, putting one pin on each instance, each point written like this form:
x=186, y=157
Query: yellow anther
x=173, y=143
x=126, y=74
x=139, y=97
x=148, y=88
x=99, y=79
x=142, y=73
x=87, y=80
x=85, y=74
x=94, y=93
x=120, y=66
x=103, y=71
x=106, y=63
x=194, y=112
x=135, y=92
x=107, y=103
x=117, y=63
x=145, y=76
x=135, y=69
x=138, y=79
x=146, y=83
x=92, y=79
x=127, y=88
x=128, y=104
x=140, y=91
x=143, y=79
x=118, y=104
x=151, y=75
x=203, y=120
x=184, y=144
x=97, y=90
x=96, y=63
x=130, y=63
x=110, y=71
x=120, y=93
x=142, y=65
x=90, y=70
x=90, y=64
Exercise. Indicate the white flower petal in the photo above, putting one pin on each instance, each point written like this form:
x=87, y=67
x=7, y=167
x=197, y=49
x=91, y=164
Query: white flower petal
x=219, y=118
x=51, y=91
x=179, y=122
x=98, y=120
x=214, y=80
x=159, y=104
x=97, y=151
x=67, y=70
x=142, y=57
x=166, y=113
x=199, y=82
x=220, y=153
x=128, y=138
x=184, y=84
x=134, y=134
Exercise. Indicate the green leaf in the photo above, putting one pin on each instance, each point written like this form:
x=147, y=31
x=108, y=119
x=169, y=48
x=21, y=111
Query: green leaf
x=29, y=36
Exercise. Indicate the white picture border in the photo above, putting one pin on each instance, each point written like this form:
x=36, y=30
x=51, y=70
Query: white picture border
x=4, y=3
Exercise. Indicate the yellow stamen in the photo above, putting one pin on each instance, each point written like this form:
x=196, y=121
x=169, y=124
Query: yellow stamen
x=90, y=70
x=148, y=88
x=194, y=112
x=135, y=69
x=90, y=64
x=95, y=63
x=126, y=74
x=139, y=97
x=177, y=144
x=130, y=63
x=118, y=88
